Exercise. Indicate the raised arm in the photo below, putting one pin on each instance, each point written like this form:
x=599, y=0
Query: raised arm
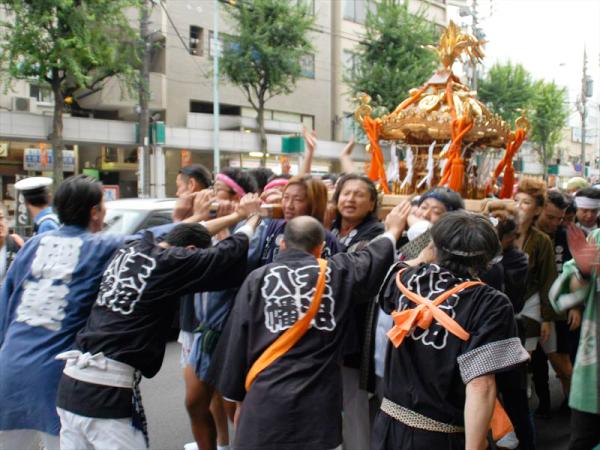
x=249, y=206
x=370, y=265
x=311, y=146
x=346, y=157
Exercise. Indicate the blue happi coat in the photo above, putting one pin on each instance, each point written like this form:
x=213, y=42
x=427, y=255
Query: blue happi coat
x=44, y=301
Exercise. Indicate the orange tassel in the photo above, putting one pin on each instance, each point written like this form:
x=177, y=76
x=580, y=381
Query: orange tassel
x=457, y=175
x=376, y=168
x=500, y=423
x=512, y=147
x=508, y=182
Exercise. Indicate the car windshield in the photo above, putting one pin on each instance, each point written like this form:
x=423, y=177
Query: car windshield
x=122, y=221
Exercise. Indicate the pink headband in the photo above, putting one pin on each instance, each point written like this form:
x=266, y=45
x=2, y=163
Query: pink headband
x=277, y=182
x=231, y=184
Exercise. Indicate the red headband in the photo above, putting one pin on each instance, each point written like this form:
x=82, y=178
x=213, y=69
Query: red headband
x=231, y=184
x=277, y=182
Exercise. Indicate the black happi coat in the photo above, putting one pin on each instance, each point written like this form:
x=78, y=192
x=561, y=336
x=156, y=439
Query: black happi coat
x=130, y=319
x=296, y=402
x=428, y=372
x=368, y=229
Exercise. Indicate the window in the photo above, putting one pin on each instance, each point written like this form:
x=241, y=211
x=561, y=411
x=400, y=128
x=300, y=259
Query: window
x=196, y=44
x=308, y=122
x=350, y=60
x=41, y=93
x=307, y=66
x=309, y=5
x=355, y=10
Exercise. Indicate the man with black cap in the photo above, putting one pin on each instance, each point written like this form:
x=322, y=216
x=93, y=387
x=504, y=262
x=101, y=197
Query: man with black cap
x=37, y=199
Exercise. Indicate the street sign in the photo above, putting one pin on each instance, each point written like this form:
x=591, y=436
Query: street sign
x=40, y=160
x=292, y=144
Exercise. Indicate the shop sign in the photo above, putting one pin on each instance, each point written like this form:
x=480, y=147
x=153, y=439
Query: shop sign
x=186, y=158
x=40, y=160
x=111, y=192
x=21, y=214
x=3, y=149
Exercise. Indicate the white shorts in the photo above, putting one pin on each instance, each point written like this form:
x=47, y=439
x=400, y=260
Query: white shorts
x=549, y=346
x=186, y=339
x=90, y=433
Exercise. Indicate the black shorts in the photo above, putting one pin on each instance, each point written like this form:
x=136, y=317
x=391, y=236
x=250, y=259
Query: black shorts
x=562, y=336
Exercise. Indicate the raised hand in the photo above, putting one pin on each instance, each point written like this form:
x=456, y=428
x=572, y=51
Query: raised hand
x=395, y=222
x=347, y=151
x=249, y=204
x=202, y=202
x=183, y=207
x=310, y=139
x=585, y=253
x=272, y=196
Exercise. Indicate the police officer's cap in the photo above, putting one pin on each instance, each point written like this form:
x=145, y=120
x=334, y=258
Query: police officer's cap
x=33, y=185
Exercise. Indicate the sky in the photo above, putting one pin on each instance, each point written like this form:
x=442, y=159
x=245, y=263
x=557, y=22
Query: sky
x=546, y=36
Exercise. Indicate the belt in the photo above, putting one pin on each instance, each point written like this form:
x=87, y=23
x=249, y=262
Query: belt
x=416, y=420
x=97, y=369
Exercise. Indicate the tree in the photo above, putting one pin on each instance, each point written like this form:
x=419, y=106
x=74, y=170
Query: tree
x=67, y=45
x=549, y=114
x=264, y=58
x=391, y=59
x=506, y=89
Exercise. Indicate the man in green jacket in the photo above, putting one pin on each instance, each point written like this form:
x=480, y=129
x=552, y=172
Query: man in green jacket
x=579, y=284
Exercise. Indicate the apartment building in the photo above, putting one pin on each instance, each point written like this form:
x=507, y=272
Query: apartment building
x=101, y=133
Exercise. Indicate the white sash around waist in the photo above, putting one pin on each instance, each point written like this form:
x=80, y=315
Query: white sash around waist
x=97, y=369
x=532, y=308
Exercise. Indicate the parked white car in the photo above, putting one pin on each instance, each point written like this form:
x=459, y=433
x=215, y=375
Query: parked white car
x=127, y=216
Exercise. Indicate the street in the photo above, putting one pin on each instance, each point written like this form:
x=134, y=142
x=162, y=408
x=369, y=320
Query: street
x=169, y=425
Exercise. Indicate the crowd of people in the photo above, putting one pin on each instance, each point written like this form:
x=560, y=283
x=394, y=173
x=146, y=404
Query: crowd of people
x=322, y=327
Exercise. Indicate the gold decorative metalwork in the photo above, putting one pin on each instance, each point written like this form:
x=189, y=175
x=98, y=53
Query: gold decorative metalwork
x=453, y=43
x=428, y=117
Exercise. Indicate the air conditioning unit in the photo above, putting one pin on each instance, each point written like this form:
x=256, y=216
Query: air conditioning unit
x=24, y=104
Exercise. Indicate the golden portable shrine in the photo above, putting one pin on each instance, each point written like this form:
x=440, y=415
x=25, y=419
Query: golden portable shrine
x=447, y=137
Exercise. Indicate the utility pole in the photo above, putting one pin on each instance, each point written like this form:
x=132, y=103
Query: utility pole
x=216, y=108
x=583, y=110
x=144, y=94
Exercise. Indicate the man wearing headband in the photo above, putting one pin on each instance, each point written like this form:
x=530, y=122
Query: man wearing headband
x=37, y=199
x=588, y=205
x=210, y=311
x=439, y=384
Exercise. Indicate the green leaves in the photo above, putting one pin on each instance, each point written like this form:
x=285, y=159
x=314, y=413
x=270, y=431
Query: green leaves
x=391, y=58
x=509, y=88
x=264, y=59
x=67, y=43
x=549, y=114
x=506, y=89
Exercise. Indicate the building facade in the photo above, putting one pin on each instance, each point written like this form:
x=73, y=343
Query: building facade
x=100, y=133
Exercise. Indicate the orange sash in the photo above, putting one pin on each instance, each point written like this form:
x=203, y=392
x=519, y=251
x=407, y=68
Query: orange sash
x=422, y=317
x=425, y=312
x=293, y=334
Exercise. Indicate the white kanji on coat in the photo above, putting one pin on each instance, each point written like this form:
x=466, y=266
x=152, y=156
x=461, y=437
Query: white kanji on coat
x=124, y=280
x=288, y=294
x=44, y=300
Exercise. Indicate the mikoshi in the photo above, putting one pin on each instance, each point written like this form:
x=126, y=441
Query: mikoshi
x=442, y=135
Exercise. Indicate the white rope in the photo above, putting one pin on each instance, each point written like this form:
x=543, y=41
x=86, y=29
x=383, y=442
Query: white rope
x=428, y=178
x=393, y=171
x=409, y=168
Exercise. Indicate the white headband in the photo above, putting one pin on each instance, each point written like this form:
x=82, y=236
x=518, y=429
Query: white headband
x=587, y=202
